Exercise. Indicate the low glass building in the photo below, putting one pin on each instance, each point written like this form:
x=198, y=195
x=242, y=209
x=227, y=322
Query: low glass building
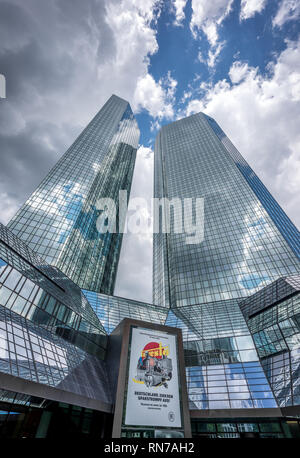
x=273, y=318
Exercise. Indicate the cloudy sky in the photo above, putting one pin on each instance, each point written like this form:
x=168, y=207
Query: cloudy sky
x=236, y=60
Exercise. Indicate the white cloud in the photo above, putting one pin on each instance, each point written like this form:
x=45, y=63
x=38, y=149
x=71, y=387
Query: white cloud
x=250, y=7
x=261, y=115
x=208, y=16
x=155, y=97
x=201, y=58
x=9, y=207
x=238, y=71
x=186, y=95
x=171, y=85
x=154, y=125
x=214, y=53
x=179, y=6
x=288, y=10
x=210, y=30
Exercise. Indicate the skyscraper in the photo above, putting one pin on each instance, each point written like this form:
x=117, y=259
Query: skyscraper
x=58, y=221
x=248, y=243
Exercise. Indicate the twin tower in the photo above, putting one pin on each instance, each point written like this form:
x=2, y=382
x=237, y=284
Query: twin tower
x=248, y=240
x=212, y=290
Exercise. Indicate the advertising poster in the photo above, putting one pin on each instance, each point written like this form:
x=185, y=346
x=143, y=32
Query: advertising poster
x=153, y=390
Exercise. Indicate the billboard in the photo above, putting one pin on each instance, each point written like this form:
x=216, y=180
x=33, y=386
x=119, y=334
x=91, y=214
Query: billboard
x=153, y=397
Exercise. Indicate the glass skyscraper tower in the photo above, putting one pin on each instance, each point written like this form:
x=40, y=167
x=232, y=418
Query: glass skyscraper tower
x=58, y=221
x=248, y=243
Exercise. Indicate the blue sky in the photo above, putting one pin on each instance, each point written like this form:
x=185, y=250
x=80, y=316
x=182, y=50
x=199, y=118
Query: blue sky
x=254, y=41
x=236, y=60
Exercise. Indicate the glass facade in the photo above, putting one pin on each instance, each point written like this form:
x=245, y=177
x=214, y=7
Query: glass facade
x=223, y=370
x=43, y=294
x=49, y=333
x=30, y=417
x=58, y=221
x=248, y=243
x=273, y=317
x=243, y=428
x=229, y=386
x=243, y=250
x=24, y=416
x=287, y=229
x=111, y=310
